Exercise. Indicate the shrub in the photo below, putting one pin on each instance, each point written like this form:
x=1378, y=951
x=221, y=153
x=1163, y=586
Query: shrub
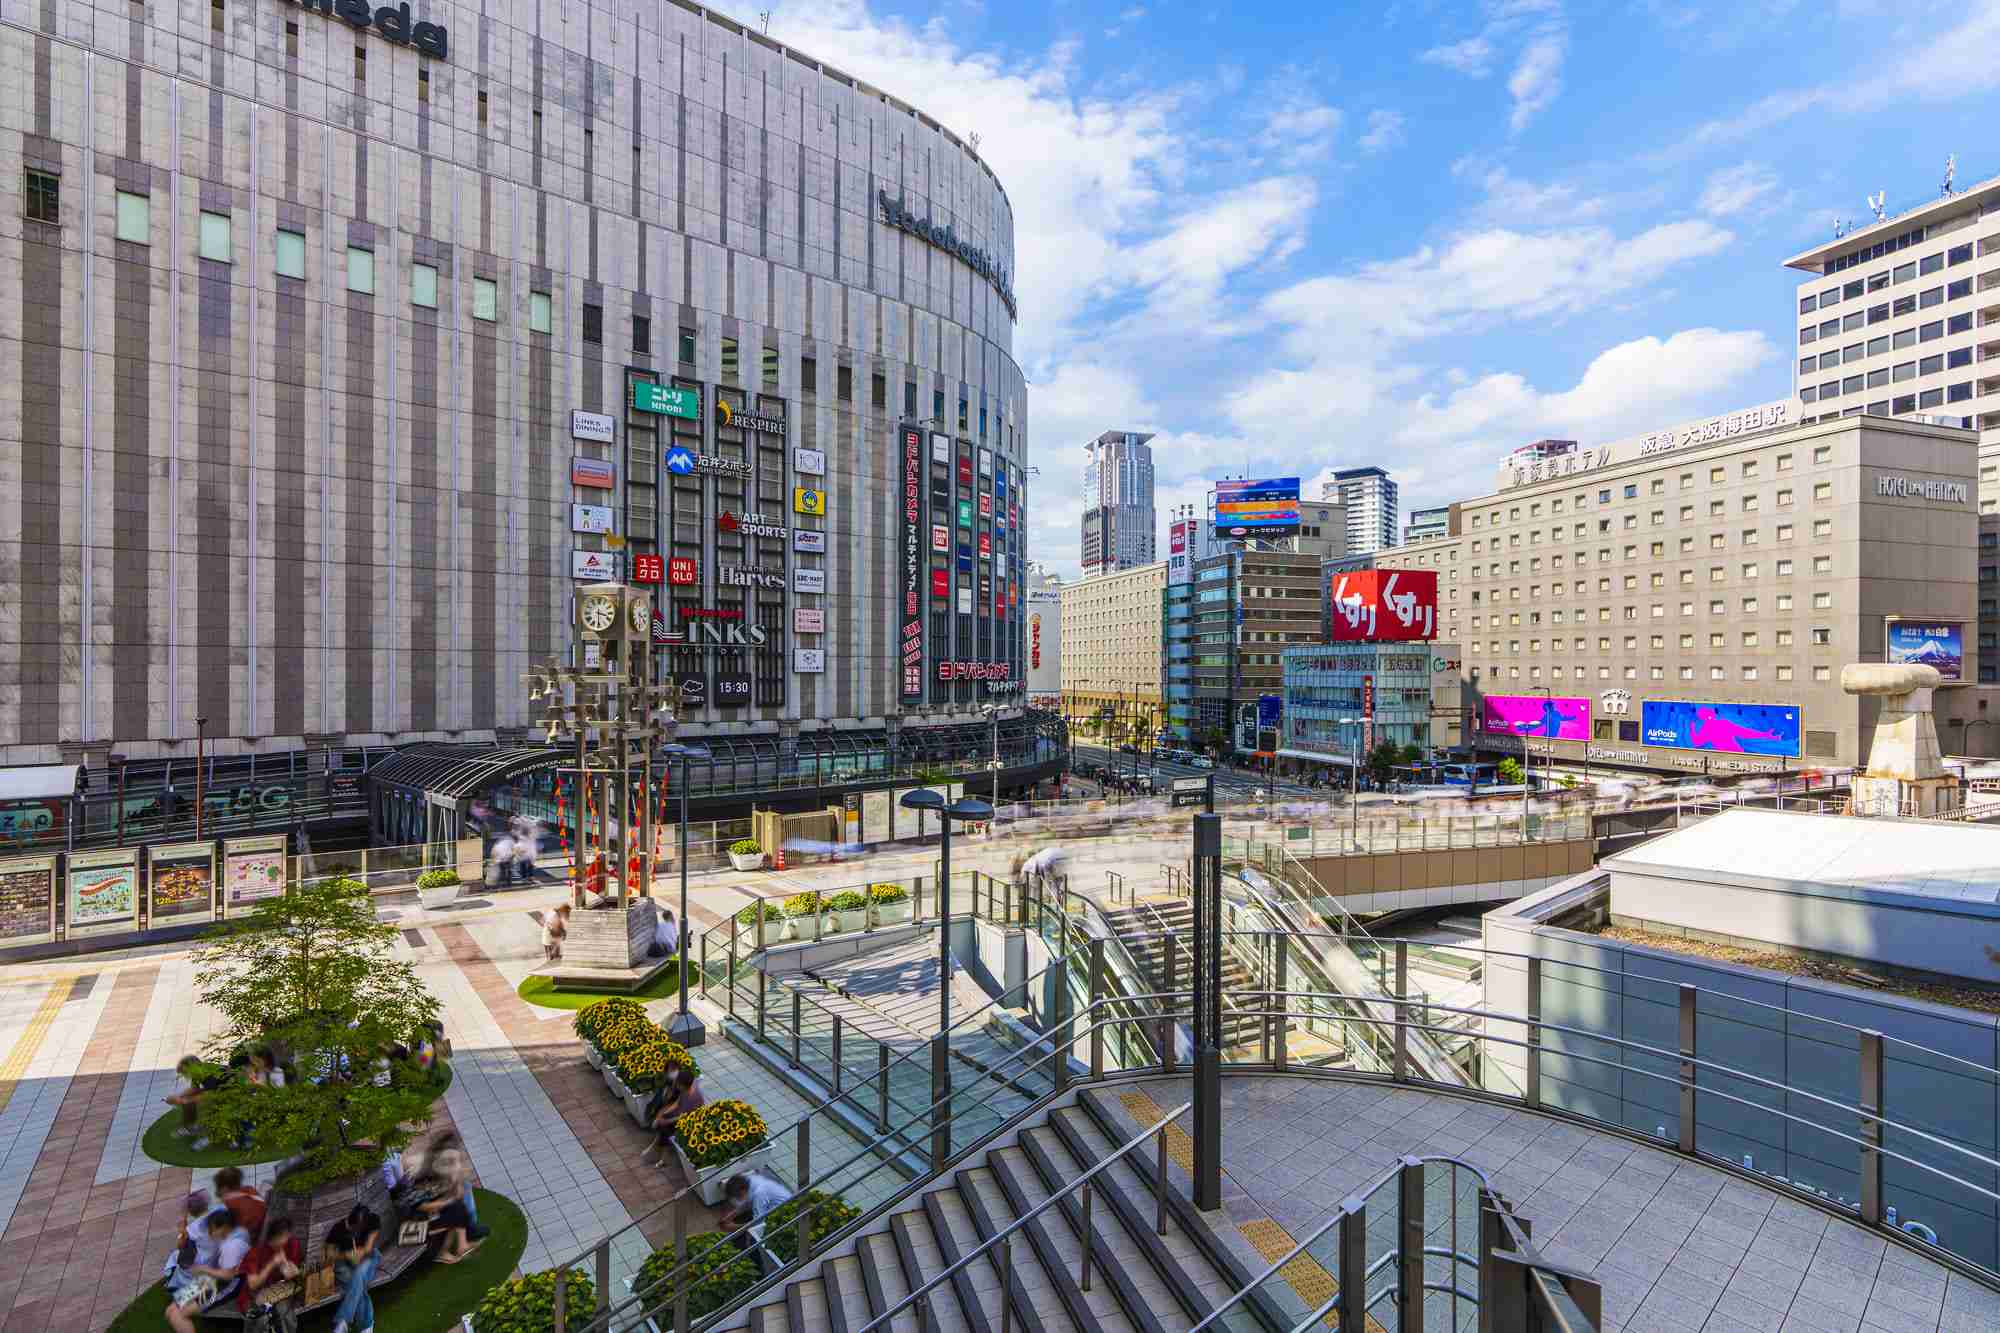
x=847, y=900
x=720, y=1132
x=592, y=1018
x=717, y=1274
x=888, y=893
x=437, y=879
x=802, y=904
x=765, y=911
x=645, y=1066
x=829, y=1213
x=745, y=847
x=528, y=1304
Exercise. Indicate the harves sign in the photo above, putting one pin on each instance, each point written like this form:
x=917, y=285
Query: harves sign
x=393, y=24
x=946, y=239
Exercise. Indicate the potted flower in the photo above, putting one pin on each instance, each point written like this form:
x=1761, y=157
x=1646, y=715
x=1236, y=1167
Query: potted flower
x=798, y=908
x=892, y=903
x=437, y=888
x=715, y=1276
x=528, y=1304
x=764, y=921
x=849, y=910
x=719, y=1134
x=745, y=854
x=642, y=1068
x=595, y=1018
x=616, y=1035
x=826, y=1214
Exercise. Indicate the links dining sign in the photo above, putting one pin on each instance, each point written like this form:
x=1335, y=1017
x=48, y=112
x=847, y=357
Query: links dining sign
x=394, y=23
x=947, y=239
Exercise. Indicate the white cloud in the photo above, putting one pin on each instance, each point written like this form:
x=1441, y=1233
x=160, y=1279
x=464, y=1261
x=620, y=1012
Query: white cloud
x=1515, y=202
x=1537, y=78
x=1300, y=130
x=1737, y=189
x=1385, y=131
x=1473, y=56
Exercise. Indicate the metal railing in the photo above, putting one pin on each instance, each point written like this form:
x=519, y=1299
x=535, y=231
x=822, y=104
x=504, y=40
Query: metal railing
x=1003, y=1240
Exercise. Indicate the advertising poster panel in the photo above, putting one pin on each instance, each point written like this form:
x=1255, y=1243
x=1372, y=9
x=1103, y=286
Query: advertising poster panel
x=1931, y=643
x=1768, y=729
x=1382, y=605
x=103, y=891
x=912, y=620
x=1267, y=507
x=180, y=883
x=1557, y=717
x=252, y=868
x=27, y=900
x=874, y=816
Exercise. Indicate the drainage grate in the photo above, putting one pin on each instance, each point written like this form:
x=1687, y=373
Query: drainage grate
x=81, y=988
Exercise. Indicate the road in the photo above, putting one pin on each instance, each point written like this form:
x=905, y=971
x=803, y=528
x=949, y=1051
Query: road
x=1164, y=772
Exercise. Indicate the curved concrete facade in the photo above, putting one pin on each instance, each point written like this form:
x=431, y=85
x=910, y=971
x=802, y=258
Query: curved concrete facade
x=293, y=338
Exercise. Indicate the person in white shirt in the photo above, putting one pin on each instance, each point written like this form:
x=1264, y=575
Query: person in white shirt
x=666, y=935
x=230, y=1244
x=746, y=1201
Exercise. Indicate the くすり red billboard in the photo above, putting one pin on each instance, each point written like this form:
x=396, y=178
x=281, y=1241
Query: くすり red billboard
x=1381, y=605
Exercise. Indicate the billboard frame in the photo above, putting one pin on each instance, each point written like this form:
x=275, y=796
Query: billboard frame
x=1798, y=742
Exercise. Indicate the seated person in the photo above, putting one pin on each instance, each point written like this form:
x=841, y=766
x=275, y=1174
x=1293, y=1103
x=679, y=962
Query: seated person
x=666, y=935
x=244, y=1204
x=206, y=1285
x=354, y=1244
x=746, y=1200
x=191, y=1243
x=270, y=1268
x=264, y=1071
x=189, y=1098
x=443, y=1193
x=677, y=1095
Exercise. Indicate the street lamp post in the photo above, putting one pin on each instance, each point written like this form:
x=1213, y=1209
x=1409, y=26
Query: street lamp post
x=964, y=808
x=1354, y=783
x=684, y=1027
x=200, y=772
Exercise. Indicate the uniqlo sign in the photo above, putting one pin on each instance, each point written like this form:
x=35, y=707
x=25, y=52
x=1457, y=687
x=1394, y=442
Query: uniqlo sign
x=681, y=571
x=648, y=569
x=1382, y=606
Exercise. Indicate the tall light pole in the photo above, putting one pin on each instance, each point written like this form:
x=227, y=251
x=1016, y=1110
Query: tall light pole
x=964, y=808
x=1354, y=783
x=200, y=772
x=684, y=1027
x=1527, y=765
x=992, y=712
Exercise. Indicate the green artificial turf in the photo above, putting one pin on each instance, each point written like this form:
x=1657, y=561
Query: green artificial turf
x=162, y=1145
x=542, y=991
x=428, y=1297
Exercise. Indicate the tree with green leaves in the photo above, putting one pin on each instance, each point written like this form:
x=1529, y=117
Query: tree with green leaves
x=1511, y=773
x=310, y=976
x=1384, y=757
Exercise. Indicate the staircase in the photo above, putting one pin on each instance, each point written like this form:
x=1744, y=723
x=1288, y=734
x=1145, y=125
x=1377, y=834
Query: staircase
x=1141, y=1282
x=889, y=1000
x=1149, y=929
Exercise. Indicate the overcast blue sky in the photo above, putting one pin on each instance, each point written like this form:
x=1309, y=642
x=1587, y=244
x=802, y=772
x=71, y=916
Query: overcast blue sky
x=1292, y=237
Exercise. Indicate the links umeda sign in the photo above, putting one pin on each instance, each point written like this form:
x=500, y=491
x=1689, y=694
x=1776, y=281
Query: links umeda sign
x=394, y=23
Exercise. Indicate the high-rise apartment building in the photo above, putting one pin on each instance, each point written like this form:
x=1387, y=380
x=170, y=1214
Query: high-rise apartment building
x=1369, y=495
x=1427, y=524
x=1118, y=518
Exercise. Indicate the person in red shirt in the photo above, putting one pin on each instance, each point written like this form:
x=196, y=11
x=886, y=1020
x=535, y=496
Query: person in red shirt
x=244, y=1204
x=275, y=1260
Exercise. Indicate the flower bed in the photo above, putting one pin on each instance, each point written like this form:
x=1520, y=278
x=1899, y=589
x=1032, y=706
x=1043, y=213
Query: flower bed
x=827, y=1213
x=763, y=922
x=528, y=1304
x=720, y=1132
x=892, y=902
x=849, y=910
x=717, y=1274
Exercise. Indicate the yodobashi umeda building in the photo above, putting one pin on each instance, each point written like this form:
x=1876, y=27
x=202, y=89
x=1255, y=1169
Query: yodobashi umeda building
x=1686, y=598
x=341, y=341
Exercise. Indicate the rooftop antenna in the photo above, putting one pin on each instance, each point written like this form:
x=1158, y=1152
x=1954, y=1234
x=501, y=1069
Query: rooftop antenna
x=974, y=140
x=1950, y=173
x=765, y=15
x=1876, y=200
x=1839, y=228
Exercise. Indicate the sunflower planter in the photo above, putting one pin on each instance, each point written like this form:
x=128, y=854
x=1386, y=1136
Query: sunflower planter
x=891, y=902
x=720, y=1140
x=592, y=1056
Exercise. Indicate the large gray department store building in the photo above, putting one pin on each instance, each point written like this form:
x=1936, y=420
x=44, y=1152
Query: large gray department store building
x=342, y=352
x=1735, y=560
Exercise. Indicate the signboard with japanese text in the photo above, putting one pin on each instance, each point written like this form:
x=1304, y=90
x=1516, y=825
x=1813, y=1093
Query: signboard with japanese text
x=102, y=892
x=27, y=900
x=666, y=399
x=598, y=473
x=648, y=569
x=252, y=868
x=1381, y=605
x=1931, y=643
x=808, y=541
x=912, y=622
x=808, y=620
x=180, y=883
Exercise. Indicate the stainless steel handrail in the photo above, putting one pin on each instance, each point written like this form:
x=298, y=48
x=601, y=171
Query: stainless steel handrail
x=1157, y=1130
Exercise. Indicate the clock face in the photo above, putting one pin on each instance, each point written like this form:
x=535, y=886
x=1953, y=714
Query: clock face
x=599, y=613
x=640, y=616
